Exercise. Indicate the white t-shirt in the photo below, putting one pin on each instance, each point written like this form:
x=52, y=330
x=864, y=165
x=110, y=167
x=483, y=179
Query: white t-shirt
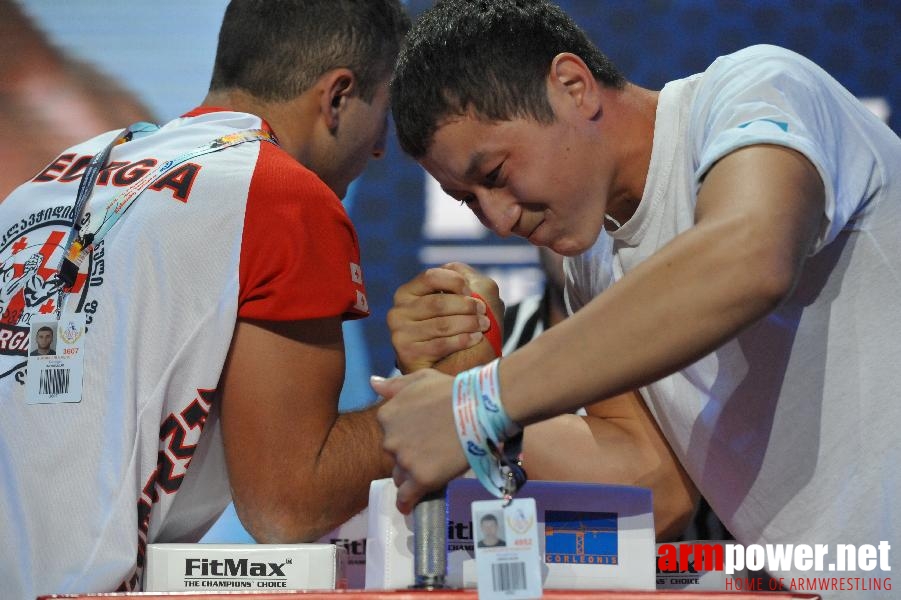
x=246, y=231
x=791, y=430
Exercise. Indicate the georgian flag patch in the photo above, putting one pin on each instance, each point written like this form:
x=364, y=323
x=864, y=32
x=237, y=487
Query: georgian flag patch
x=362, y=304
x=356, y=273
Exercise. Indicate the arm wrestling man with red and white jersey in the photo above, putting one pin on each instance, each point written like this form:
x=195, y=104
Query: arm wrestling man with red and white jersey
x=213, y=267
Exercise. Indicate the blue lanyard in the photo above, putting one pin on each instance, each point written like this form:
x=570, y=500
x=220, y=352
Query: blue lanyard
x=79, y=246
x=85, y=187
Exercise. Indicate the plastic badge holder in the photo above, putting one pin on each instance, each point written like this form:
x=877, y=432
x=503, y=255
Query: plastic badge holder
x=591, y=536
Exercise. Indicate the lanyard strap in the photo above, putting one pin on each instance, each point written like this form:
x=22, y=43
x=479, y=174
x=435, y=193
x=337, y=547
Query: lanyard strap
x=491, y=441
x=79, y=246
x=85, y=188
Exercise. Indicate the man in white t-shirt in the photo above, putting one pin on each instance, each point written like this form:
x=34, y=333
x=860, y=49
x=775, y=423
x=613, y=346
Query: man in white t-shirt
x=199, y=338
x=747, y=281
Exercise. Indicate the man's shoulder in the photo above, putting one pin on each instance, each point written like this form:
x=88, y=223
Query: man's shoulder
x=288, y=170
x=757, y=62
x=762, y=52
x=280, y=179
x=275, y=173
x=772, y=74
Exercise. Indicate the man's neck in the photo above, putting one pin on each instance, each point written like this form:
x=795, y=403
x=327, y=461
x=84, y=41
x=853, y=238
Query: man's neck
x=632, y=113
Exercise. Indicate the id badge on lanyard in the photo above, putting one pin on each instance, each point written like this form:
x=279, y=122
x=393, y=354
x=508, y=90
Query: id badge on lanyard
x=508, y=561
x=56, y=361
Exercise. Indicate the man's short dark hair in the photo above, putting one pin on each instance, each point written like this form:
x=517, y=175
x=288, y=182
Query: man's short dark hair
x=277, y=49
x=44, y=328
x=491, y=57
x=488, y=517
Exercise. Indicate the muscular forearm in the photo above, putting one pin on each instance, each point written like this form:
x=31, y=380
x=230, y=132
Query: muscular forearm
x=297, y=467
x=318, y=497
x=351, y=458
x=665, y=300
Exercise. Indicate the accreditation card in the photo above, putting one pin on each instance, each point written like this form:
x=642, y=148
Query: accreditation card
x=56, y=359
x=508, y=561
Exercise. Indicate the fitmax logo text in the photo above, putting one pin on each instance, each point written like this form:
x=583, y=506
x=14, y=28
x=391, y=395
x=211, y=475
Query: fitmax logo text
x=229, y=567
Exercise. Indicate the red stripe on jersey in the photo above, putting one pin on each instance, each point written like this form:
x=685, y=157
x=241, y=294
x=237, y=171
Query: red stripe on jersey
x=299, y=250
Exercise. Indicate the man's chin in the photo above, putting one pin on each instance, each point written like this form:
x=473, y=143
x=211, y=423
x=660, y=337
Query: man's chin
x=568, y=247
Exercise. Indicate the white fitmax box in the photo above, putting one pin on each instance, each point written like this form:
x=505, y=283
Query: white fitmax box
x=260, y=567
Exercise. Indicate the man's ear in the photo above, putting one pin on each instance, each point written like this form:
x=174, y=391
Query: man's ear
x=571, y=80
x=336, y=86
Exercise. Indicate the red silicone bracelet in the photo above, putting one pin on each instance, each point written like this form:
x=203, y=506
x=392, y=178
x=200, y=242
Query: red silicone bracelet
x=494, y=331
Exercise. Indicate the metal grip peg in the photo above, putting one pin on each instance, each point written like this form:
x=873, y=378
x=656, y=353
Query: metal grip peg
x=430, y=541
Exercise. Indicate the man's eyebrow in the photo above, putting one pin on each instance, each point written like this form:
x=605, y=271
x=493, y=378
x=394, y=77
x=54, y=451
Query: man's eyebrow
x=475, y=161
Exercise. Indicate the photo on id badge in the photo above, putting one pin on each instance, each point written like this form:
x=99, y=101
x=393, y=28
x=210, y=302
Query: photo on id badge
x=43, y=339
x=490, y=530
x=55, y=360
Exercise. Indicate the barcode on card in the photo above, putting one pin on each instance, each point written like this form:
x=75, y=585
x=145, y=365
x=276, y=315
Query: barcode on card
x=508, y=577
x=53, y=382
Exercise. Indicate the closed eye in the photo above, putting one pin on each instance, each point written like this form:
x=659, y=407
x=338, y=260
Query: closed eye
x=492, y=176
x=459, y=196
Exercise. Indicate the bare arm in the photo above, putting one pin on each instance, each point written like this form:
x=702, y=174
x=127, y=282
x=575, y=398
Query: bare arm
x=757, y=215
x=297, y=468
x=617, y=442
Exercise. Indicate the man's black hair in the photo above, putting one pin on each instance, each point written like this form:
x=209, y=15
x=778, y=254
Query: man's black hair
x=277, y=49
x=45, y=328
x=488, y=517
x=491, y=57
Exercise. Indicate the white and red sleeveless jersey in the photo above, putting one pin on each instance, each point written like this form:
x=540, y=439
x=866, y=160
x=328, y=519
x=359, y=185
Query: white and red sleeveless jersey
x=243, y=232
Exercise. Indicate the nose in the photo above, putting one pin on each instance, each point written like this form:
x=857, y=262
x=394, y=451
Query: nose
x=497, y=211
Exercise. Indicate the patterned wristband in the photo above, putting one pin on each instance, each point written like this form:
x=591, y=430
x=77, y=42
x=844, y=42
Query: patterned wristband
x=472, y=435
x=491, y=413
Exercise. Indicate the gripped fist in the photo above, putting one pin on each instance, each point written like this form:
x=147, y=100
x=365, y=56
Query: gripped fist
x=436, y=323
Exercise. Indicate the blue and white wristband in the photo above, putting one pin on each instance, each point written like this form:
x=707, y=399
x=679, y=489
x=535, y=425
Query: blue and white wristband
x=491, y=441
